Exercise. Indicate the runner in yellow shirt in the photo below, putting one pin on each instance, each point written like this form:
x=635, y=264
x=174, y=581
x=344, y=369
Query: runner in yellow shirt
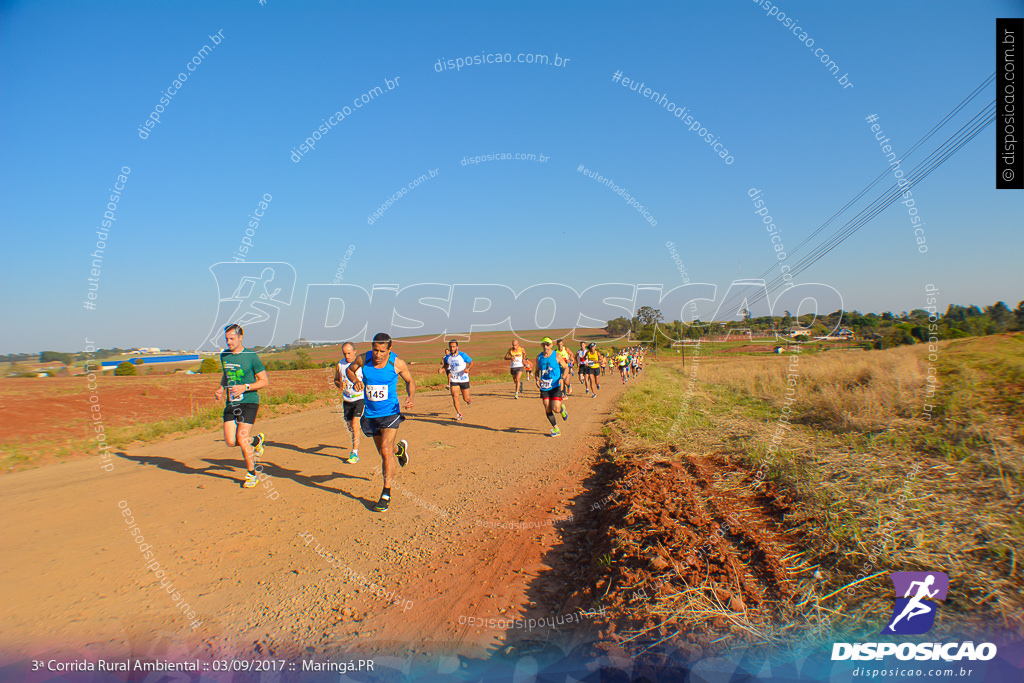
x=592, y=360
x=566, y=379
x=517, y=355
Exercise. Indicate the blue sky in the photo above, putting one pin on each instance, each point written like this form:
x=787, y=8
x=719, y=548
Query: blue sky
x=80, y=78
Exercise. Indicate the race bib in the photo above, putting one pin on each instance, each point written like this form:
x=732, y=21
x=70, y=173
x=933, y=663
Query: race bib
x=376, y=392
x=545, y=384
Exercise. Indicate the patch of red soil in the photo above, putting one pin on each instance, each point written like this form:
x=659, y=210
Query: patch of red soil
x=685, y=552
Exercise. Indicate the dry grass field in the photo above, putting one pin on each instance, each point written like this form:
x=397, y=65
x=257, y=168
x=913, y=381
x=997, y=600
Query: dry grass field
x=864, y=469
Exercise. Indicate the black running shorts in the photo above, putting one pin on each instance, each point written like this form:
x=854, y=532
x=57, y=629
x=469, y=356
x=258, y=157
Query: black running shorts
x=353, y=409
x=241, y=412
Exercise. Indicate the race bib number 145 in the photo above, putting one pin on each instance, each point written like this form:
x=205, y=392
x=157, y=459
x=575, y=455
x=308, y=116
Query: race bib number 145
x=377, y=392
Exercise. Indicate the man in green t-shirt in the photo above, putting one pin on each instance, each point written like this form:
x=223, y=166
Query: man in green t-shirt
x=244, y=374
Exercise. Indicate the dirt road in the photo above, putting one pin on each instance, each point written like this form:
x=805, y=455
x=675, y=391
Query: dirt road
x=247, y=561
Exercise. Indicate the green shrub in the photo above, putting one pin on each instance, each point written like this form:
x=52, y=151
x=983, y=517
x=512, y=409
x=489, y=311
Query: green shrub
x=125, y=369
x=209, y=365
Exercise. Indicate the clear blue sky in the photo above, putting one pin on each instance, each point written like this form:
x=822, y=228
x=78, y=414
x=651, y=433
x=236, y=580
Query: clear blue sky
x=80, y=78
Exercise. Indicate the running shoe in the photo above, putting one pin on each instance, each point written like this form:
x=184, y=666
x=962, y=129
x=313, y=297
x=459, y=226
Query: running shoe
x=555, y=431
x=598, y=386
x=565, y=414
x=353, y=458
x=516, y=397
x=250, y=481
x=594, y=396
x=458, y=417
x=257, y=444
x=382, y=504
x=403, y=453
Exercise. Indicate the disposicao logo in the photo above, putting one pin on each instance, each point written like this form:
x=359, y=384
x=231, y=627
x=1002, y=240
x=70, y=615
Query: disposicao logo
x=914, y=614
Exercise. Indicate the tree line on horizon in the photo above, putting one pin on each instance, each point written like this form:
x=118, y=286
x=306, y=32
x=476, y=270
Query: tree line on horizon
x=883, y=330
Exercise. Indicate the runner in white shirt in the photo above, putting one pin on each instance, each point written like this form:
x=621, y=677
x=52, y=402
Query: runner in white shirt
x=458, y=364
x=353, y=400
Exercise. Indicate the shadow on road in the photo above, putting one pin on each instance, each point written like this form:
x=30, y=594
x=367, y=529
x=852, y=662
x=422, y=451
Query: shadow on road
x=216, y=466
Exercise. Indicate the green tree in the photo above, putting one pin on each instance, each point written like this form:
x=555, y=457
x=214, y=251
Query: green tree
x=209, y=365
x=617, y=327
x=55, y=357
x=644, y=322
x=125, y=369
x=1000, y=315
x=304, y=362
x=649, y=316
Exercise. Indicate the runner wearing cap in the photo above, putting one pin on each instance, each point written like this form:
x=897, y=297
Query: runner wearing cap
x=563, y=352
x=593, y=361
x=551, y=370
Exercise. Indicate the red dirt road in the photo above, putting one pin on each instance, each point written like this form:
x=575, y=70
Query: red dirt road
x=74, y=581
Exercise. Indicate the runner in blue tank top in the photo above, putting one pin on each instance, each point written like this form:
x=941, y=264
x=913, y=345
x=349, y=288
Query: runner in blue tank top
x=551, y=370
x=381, y=414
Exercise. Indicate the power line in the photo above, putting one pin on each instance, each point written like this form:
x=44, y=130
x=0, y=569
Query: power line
x=936, y=158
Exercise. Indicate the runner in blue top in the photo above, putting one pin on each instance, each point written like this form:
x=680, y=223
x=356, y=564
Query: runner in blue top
x=551, y=369
x=458, y=364
x=381, y=415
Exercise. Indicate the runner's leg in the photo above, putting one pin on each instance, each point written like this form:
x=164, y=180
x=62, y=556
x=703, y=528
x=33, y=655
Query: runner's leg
x=385, y=442
x=245, y=443
x=353, y=426
x=230, y=433
x=455, y=398
x=548, y=407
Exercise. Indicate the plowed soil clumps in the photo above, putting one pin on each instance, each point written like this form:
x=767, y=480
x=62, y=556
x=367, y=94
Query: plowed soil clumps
x=686, y=551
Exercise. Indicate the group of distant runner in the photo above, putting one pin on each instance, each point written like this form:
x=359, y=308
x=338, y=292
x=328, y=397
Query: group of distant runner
x=369, y=385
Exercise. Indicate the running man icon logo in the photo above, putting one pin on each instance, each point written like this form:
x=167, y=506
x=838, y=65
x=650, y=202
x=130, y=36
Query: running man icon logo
x=250, y=295
x=914, y=611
